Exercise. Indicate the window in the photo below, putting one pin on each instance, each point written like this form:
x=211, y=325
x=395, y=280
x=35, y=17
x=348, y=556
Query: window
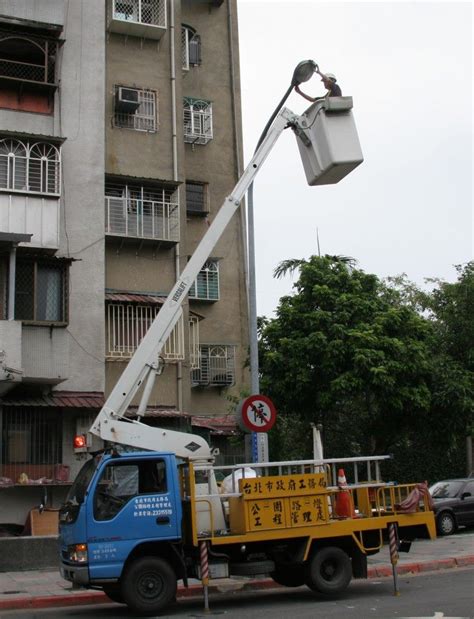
x=40, y=291
x=29, y=167
x=28, y=70
x=127, y=324
x=32, y=443
x=143, y=212
x=152, y=12
x=216, y=366
x=197, y=121
x=121, y=482
x=190, y=48
x=27, y=58
x=206, y=286
x=196, y=198
x=135, y=109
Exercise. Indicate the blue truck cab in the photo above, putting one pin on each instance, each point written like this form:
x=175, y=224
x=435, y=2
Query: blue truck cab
x=121, y=510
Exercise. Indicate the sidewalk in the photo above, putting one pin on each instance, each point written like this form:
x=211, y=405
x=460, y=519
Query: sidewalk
x=46, y=589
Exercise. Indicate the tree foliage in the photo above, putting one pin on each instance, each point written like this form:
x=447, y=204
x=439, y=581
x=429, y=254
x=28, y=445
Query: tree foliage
x=382, y=365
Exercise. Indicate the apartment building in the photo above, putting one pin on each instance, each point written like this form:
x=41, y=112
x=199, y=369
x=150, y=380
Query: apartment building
x=120, y=137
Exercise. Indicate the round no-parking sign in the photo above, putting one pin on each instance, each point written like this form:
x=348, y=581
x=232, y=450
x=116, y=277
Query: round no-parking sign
x=257, y=413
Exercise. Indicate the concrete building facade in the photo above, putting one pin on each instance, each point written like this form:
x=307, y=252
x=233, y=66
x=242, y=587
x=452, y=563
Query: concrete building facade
x=120, y=137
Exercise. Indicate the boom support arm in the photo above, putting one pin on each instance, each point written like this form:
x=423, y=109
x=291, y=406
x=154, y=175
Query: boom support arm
x=110, y=424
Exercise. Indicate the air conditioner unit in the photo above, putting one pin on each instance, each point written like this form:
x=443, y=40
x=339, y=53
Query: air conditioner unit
x=126, y=100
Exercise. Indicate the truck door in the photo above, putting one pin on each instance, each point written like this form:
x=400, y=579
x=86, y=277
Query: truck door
x=133, y=500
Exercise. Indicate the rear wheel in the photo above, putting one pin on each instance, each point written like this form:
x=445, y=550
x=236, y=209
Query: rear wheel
x=149, y=585
x=446, y=524
x=289, y=576
x=329, y=571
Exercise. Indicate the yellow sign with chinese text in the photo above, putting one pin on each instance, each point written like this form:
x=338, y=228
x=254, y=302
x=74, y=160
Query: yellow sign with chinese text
x=282, y=486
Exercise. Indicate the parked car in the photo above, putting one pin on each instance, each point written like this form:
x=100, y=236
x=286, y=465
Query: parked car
x=453, y=504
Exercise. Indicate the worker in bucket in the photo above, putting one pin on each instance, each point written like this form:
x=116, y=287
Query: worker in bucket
x=329, y=80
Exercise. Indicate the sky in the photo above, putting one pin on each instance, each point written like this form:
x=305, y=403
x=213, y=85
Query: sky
x=408, y=66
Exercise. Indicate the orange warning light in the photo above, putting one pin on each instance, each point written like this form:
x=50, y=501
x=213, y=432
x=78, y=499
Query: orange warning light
x=80, y=441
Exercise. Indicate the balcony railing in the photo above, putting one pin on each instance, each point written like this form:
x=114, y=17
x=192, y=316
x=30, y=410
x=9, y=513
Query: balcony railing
x=143, y=219
x=140, y=18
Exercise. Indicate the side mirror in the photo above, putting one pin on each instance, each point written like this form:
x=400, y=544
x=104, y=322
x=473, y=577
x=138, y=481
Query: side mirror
x=464, y=495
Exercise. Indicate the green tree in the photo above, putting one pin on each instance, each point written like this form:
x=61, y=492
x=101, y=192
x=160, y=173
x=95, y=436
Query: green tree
x=341, y=353
x=438, y=439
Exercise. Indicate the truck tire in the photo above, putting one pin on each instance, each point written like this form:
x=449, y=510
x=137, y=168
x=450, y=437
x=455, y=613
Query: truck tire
x=289, y=576
x=114, y=593
x=329, y=570
x=251, y=568
x=148, y=585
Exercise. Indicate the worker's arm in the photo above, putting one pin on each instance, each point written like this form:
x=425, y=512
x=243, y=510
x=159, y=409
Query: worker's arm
x=307, y=97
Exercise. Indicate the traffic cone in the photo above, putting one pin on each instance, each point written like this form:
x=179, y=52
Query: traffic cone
x=344, y=506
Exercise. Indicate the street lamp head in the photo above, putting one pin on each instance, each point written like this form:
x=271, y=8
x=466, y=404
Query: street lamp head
x=303, y=72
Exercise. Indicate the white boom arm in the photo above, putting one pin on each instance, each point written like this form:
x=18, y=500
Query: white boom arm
x=111, y=424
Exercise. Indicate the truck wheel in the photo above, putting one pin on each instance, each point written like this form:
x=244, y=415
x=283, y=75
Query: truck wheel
x=289, y=576
x=329, y=571
x=251, y=568
x=114, y=593
x=149, y=584
x=446, y=524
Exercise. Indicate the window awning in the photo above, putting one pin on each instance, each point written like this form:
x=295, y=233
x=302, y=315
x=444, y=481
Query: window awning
x=10, y=239
x=59, y=399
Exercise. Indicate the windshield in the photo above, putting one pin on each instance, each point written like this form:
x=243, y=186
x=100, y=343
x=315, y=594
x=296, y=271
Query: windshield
x=81, y=483
x=446, y=489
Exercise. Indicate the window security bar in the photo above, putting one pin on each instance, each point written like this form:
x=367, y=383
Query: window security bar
x=127, y=325
x=28, y=59
x=144, y=118
x=30, y=167
x=197, y=121
x=194, y=342
x=190, y=48
x=206, y=286
x=32, y=445
x=216, y=366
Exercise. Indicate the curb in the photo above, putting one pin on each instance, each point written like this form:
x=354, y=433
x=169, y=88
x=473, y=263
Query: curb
x=97, y=597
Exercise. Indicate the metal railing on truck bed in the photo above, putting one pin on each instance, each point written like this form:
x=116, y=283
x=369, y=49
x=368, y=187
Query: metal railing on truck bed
x=278, y=496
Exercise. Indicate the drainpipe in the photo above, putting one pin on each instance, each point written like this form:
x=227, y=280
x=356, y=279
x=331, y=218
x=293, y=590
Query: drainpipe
x=11, y=283
x=174, y=145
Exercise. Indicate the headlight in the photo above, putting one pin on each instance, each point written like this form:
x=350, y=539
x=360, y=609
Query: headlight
x=77, y=553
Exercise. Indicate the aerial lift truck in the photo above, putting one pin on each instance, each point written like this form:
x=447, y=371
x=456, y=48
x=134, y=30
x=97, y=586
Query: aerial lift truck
x=136, y=521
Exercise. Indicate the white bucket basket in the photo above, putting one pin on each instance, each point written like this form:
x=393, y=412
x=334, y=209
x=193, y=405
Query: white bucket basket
x=328, y=141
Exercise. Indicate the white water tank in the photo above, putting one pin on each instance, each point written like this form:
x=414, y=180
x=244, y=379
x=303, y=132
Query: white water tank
x=328, y=141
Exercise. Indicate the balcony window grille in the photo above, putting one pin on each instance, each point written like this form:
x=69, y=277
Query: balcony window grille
x=142, y=212
x=216, y=366
x=40, y=292
x=30, y=167
x=32, y=443
x=28, y=59
x=197, y=121
x=127, y=324
x=151, y=12
x=144, y=118
x=196, y=199
x=190, y=48
x=206, y=286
